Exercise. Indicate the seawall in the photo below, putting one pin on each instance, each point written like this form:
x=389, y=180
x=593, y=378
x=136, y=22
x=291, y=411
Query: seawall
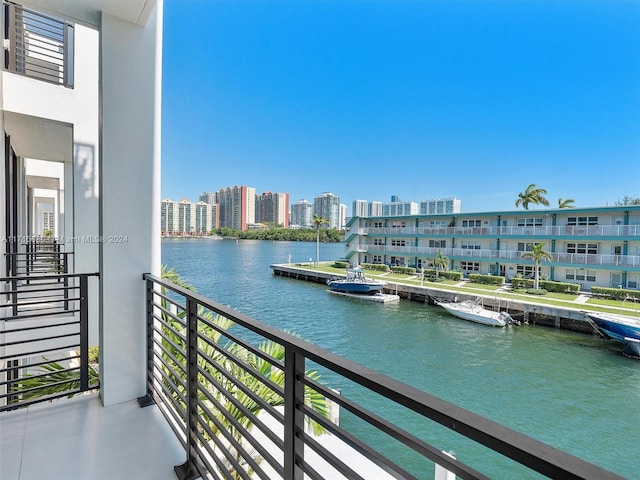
x=533, y=313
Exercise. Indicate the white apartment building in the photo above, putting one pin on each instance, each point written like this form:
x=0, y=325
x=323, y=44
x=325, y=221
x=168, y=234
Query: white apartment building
x=590, y=246
x=400, y=208
x=343, y=216
x=186, y=218
x=208, y=197
x=327, y=206
x=302, y=214
x=436, y=206
x=374, y=209
x=359, y=208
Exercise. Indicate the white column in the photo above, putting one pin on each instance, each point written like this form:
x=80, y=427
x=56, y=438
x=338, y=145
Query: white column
x=129, y=197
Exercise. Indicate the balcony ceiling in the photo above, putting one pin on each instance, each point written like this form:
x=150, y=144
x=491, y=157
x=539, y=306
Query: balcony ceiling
x=39, y=138
x=88, y=11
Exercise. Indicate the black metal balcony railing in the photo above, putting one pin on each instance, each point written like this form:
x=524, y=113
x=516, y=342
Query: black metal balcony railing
x=38, y=262
x=38, y=46
x=44, y=339
x=222, y=394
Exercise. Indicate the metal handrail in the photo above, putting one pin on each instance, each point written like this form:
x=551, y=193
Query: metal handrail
x=208, y=375
x=46, y=321
x=557, y=258
x=558, y=231
x=38, y=45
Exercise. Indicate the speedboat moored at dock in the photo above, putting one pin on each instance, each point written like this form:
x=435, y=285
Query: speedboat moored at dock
x=620, y=328
x=469, y=310
x=356, y=282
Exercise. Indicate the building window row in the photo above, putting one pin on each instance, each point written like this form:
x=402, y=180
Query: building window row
x=582, y=221
x=529, y=222
x=472, y=223
x=589, y=248
x=580, y=274
x=470, y=266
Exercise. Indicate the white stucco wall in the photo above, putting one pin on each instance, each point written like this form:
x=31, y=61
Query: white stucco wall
x=130, y=197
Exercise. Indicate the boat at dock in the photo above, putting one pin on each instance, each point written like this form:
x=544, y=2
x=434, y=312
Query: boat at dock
x=472, y=311
x=355, y=282
x=620, y=328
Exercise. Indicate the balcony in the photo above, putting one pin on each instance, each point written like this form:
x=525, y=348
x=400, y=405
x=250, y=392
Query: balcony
x=38, y=46
x=586, y=231
x=78, y=438
x=485, y=254
x=229, y=397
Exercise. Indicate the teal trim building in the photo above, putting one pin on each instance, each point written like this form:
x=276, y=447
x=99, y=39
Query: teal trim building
x=590, y=246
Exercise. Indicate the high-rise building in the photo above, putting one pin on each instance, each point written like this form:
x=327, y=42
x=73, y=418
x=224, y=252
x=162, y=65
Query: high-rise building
x=359, y=208
x=435, y=206
x=273, y=208
x=362, y=208
x=168, y=216
x=374, y=209
x=399, y=208
x=342, y=216
x=237, y=207
x=178, y=218
x=208, y=197
x=204, y=218
x=302, y=214
x=327, y=206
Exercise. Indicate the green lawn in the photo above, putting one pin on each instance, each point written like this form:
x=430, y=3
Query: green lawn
x=482, y=286
x=556, y=299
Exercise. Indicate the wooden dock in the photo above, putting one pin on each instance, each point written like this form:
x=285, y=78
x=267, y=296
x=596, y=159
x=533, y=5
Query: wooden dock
x=379, y=297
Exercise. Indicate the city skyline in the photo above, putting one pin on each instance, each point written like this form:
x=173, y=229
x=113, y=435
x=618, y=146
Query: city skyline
x=421, y=99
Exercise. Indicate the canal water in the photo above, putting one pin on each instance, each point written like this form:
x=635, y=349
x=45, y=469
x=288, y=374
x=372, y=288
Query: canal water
x=575, y=392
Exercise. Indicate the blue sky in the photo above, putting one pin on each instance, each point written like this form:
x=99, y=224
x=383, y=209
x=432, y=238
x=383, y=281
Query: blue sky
x=415, y=98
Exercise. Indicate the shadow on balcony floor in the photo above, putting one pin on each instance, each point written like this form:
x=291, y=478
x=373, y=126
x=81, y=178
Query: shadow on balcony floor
x=80, y=439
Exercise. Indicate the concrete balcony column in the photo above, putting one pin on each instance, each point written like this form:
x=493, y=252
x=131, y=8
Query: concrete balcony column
x=131, y=61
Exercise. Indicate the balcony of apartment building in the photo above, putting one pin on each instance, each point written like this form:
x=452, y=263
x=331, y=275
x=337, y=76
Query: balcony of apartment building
x=227, y=397
x=181, y=386
x=569, y=258
x=493, y=231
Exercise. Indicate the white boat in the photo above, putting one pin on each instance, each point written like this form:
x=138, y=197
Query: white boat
x=469, y=310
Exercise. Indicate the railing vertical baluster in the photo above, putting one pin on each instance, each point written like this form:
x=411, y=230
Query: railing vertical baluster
x=69, y=65
x=14, y=283
x=65, y=283
x=188, y=471
x=10, y=34
x=293, y=416
x=147, y=399
x=84, y=334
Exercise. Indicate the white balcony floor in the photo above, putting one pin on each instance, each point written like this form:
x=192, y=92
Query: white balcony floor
x=80, y=439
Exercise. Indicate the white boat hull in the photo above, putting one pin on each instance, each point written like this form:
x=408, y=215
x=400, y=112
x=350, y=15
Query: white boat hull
x=475, y=313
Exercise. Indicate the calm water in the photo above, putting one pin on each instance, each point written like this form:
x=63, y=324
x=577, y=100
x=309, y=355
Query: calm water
x=572, y=391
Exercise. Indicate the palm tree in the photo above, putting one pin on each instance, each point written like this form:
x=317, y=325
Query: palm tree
x=532, y=195
x=318, y=221
x=231, y=368
x=537, y=254
x=628, y=200
x=440, y=261
x=566, y=203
